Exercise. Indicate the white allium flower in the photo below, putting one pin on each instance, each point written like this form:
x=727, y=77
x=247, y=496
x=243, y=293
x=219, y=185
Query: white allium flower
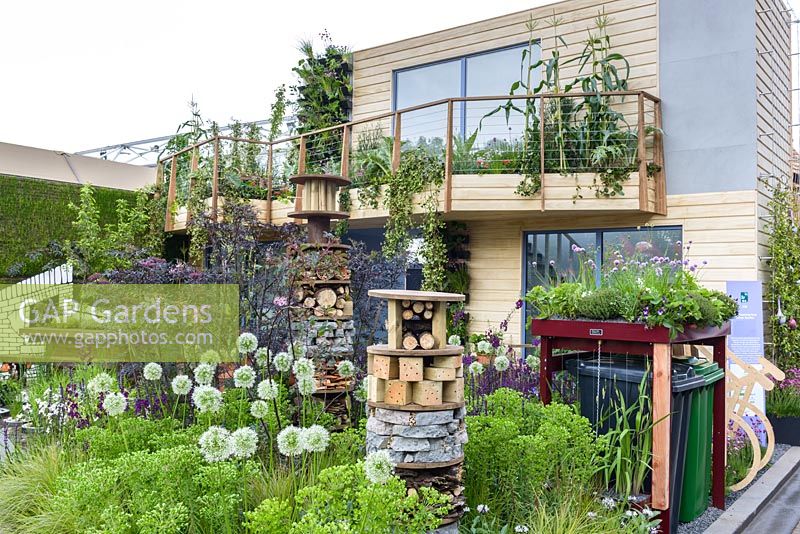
x=290, y=441
x=484, y=347
x=282, y=362
x=259, y=409
x=315, y=438
x=476, y=368
x=521, y=528
x=244, y=442
x=647, y=512
x=297, y=350
x=244, y=377
x=346, y=368
x=591, y=515
x=215, y=444
x=152, y=371
x=532, y=362
x=502, y=363
x=247, y=343
x=207, y=399
x=362, y=391
x=306, y=386
x=210, y=356
x=181, y=385
x=303, y=368
x=483, y=508
x=115, y=404
x=378, y=467
x=100, y=383
x=267, y=389
x=608, y=502
x=454, y=340
x=263, y=355
x=631, y=513
x=204, y=373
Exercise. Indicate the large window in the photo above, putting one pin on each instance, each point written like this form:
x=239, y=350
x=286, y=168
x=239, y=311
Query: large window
x=551, y=257
x=484, y=74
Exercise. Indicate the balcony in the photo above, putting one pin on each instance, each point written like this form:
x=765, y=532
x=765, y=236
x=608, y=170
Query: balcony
x=512, y=155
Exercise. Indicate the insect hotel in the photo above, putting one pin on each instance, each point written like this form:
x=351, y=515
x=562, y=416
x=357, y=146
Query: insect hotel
x=416, y=394
x=323, y=307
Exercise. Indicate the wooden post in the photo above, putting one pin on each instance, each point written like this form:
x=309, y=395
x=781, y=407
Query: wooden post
x=159, y=178
x=545, y=357
x=215, y=181
x=662, y=406
x=448, y=160
x=396, y=146
x=194, y=165
x=661, y=184
x=642, y=153
x=541, y=149
x=301, y=169
x=718, y=440
x=344, y=168
x=269, y=184
x=169, y=223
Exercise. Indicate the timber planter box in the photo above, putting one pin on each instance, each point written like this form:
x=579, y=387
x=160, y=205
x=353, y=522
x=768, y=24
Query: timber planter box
x=621, y=331
x=787, y=429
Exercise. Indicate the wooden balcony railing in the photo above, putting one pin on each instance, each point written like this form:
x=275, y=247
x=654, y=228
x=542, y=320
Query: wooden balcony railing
x=547, y=135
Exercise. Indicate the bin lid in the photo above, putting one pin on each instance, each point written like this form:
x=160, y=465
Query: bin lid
x=632, y=369
x=710, y=371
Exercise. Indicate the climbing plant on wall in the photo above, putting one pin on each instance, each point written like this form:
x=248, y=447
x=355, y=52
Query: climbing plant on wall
x=784, y=286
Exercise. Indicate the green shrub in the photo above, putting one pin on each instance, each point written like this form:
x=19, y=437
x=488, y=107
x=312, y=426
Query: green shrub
x=343, y=500
x=509, y=403
x=603, y=304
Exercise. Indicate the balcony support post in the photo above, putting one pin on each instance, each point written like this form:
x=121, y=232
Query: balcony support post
x=448, y=160
x=397, y=145
x=344, y=168
x=215, y=182
x=661, y=183
x=269, y=183
x=642, y=154
x=194, y=165
x=541, y=149
x=169, y=224
x=301, y=169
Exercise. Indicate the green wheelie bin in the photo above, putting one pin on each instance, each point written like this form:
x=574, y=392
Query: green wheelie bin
x=697, y=470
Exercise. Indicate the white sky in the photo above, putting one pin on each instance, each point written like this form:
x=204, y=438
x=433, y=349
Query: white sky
x=82, y=74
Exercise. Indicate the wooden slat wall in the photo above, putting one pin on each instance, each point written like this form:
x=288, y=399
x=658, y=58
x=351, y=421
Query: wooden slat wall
x=721, y=226
x=633, y=30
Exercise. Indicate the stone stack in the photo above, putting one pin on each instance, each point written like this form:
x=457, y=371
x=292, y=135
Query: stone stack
x=416, y=395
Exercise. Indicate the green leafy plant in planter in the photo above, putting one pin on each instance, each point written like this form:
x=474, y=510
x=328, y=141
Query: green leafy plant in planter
x=656, y=292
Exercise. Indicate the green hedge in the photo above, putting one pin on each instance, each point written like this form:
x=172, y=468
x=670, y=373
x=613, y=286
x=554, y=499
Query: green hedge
x=35, y=212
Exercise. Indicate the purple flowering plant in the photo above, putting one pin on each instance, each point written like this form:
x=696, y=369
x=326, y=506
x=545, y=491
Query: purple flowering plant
x=784, y=399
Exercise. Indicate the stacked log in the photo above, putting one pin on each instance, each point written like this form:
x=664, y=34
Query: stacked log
x=325, y=300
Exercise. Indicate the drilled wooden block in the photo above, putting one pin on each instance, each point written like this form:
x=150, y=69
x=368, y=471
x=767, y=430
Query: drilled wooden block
x=439, y=323
x=385, y=367
x=370, y=364
x=453, y=391
x=376, y=388
x=447, y=361
x=397, y=393
x=427, y=392
x=411, y=369
x=460, y=372
x=439, y=374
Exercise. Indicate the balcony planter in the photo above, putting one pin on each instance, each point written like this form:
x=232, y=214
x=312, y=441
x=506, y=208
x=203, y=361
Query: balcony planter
x=622, y=331
x=787, y=429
